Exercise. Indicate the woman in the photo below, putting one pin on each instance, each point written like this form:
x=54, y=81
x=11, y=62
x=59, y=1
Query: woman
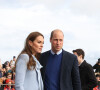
x=28, y=76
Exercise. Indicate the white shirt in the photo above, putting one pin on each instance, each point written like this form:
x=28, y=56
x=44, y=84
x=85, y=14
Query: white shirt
x=57, y=52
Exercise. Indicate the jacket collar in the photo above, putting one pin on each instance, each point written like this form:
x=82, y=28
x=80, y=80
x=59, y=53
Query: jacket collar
x=38, y=65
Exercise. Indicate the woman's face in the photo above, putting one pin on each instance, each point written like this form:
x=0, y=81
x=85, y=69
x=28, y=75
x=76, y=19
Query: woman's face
x=37, y=45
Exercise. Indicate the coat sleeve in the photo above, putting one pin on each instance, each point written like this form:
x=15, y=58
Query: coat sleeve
x=92, y=82
x=76, y=76
x=21, y=67
x=95, y=66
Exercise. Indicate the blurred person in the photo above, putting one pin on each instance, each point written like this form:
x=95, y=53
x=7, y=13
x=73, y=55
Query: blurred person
x=7, y=64
x=28, y=76
x=0, y=64
x=60, y=68
x=9, y=75
x=9, y=86
x=98, y=77
x=3, y=79
x=1, y=74
x=13, y=74
x=14, y=58
x=8, y=70
x=3, y=71
x=13, y=61
x=12, y=64
x=87, y=76
x=1, y=82
x=0, y=69
x=98, y=80
x=97, y=66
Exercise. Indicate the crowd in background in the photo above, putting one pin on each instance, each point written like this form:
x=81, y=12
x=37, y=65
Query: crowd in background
x=96, y=67
x=7, y=74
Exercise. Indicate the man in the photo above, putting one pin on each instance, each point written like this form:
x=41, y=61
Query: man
x=14, y=61
x=0, y=69
x=87, y=76
x=60, y=68
x=97, y=66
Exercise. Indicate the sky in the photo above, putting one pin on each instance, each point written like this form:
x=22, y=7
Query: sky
x=78, y=19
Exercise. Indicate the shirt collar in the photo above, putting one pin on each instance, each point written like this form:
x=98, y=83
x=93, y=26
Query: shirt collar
x=59, y=52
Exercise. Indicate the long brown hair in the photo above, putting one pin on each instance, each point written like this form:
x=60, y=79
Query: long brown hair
x=28, y=50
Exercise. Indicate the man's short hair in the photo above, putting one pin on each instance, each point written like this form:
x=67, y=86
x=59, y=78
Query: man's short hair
x=14, y=56
x=53, y=33
x=97, y=75
x=79, y=52
x=99, y=60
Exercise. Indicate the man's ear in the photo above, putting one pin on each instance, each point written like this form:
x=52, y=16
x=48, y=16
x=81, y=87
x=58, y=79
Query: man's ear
x=80, y=56
x=30, y=43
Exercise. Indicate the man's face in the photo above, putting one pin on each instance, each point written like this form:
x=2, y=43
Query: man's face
x=98, y=63
x=78, y=57
x=57, y=41
x=9, y=76
x=98, y=78
x=7, y=68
